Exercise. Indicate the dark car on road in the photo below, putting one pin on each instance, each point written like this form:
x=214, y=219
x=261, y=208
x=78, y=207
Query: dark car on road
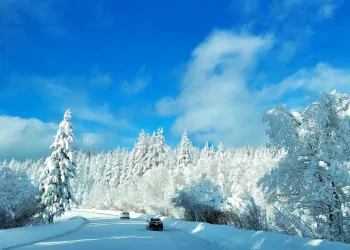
x=154, y=223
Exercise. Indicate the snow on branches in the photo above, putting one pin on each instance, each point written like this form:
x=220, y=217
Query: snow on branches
x=313, y=178
x=57, y=195
x=18, y=198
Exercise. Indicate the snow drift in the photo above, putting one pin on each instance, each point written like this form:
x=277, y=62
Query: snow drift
x=26, y=235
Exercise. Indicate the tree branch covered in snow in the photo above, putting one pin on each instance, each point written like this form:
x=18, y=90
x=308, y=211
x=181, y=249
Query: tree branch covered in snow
x=19, y=199
x=313, y=179
x=56, y=191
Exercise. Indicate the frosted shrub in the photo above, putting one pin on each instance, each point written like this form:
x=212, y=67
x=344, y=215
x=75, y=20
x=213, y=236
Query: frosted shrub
x=18, y=199
x=253, y=216
x=203, y=202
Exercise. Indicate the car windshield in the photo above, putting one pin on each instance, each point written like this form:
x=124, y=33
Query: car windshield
x=155, y=219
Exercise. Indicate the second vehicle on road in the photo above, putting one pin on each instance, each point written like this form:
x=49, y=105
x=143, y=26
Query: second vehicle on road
x=154, y=223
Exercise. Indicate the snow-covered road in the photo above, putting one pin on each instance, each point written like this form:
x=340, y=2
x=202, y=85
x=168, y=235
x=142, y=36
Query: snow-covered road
x=109, y=232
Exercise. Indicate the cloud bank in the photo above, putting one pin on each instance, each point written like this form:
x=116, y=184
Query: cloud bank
x=217, y=101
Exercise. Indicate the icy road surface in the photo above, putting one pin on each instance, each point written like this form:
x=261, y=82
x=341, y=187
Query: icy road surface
x=109, y=232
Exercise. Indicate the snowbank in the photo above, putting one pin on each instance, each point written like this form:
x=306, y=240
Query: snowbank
x=109, y=212
x=236, y=239
x=232, y=238
x=26, y=235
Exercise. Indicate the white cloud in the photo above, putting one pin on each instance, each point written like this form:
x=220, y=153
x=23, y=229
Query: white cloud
x=92, y=139
x=31, y=138
x=167, y=106
x=101, y=80
x=310, y=10
x=216, y=103
x=59, y=96
x=49, y=87
x=321, y=78
x=327, y=10
x=100, y=115
x=104, y=140
x=137, y=85
x=25, y=138
x=246, y=6
x=288, y=51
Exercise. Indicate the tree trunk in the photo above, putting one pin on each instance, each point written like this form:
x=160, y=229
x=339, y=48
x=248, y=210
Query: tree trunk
x=336, y=218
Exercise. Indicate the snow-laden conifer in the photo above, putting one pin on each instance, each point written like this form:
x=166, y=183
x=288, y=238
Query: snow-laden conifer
x=161, y=154
x=56, y=191
x=141, y=149
x=183, y=157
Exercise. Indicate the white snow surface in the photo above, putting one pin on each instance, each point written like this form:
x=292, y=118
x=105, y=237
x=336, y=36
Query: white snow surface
x=26, y=235
x=230, y=238
x=106, y=231
x=109, y=232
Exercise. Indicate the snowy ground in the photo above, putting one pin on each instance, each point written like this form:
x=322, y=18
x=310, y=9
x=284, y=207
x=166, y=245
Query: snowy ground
x=18, y=236
x=227, y=237
x=105, y=230
x=109, y=232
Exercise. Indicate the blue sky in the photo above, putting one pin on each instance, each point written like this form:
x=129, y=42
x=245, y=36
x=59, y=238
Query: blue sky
x=212, y=67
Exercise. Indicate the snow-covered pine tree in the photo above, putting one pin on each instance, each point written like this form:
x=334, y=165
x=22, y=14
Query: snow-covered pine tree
x=161, y=154
x=183, y=157
x=36, y=171
x=12, y=164
x=141, y=149
x=117, y=162
x=108, y=173
x=212, y=169
x=151, y=155
x=202, y=164
x=56, y=191
x=124, y=167
x=204, y=156
x=78, y=183
x=129, y=168
x=183, y=160
x=87, y=178
x=219, y=161
x=4, y=163
x=101, y=168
